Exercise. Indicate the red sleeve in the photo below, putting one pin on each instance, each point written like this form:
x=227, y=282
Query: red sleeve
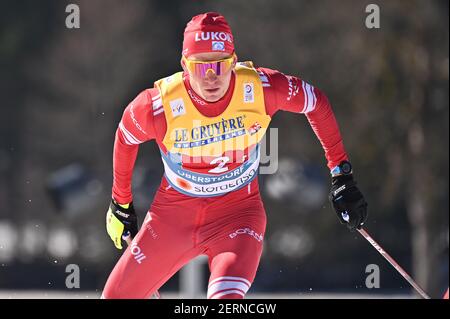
x=135, y=127
x=290, y=93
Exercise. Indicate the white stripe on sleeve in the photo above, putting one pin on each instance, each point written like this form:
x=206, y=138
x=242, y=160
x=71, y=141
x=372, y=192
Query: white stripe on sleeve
x=305, y=96
x=130, y=139
x=157, y=104
x=310, y=98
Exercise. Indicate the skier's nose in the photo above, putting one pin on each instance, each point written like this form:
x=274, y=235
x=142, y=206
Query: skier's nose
x=210, y=75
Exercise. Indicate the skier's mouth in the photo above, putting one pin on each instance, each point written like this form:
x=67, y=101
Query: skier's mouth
x=212, y=90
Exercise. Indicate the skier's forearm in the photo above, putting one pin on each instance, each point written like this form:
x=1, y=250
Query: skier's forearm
x=124, y=158
x=325, y=126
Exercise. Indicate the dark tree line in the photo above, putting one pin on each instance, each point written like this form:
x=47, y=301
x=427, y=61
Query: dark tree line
x=63, y=92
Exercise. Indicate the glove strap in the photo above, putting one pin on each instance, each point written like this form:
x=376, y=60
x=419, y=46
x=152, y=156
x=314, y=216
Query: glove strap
x=124, y=206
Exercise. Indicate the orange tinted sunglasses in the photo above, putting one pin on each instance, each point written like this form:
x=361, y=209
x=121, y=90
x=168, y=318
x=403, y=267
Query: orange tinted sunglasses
x=201, y=68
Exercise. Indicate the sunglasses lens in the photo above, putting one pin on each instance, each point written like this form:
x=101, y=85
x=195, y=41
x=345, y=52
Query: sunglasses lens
x=202, y=69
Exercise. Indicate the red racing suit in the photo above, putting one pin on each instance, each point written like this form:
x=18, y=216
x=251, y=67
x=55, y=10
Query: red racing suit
x=228, y=228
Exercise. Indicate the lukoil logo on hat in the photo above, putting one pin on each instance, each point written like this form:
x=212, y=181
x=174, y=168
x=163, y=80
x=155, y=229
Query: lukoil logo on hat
x=207, y=32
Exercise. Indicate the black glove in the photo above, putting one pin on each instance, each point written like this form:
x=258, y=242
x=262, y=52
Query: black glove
x=121, y=220
x=348, y=201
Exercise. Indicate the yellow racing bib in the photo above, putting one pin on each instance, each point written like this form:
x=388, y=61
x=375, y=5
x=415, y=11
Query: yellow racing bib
x=211, y=156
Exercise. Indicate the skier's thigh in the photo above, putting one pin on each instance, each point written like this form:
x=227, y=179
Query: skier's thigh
x=156, y=253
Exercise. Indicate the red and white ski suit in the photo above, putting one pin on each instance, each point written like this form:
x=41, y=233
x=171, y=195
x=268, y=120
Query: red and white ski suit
x=229, y=228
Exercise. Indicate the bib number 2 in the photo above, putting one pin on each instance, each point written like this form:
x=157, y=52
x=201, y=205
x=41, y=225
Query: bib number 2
x=221, y=162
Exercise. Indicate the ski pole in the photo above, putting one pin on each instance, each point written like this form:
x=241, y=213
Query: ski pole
x=393, y=263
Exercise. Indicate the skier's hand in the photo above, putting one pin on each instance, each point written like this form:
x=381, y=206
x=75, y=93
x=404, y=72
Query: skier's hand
x=348, y=201
x=121, y=222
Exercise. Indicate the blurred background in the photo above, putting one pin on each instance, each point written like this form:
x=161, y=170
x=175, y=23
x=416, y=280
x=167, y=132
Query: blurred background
x=63, y=92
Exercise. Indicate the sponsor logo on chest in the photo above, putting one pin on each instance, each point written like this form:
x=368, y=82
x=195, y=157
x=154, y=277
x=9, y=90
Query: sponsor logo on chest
x=177, y=107
x=226, y=128
x=249, y=96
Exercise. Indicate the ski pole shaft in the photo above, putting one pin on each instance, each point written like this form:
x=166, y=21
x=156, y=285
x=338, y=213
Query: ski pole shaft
x=393, y=263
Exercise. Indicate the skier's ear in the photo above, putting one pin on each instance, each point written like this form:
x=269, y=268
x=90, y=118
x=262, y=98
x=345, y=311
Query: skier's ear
x=183, y=65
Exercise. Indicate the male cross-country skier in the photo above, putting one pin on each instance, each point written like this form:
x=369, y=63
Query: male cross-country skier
x=208, y=121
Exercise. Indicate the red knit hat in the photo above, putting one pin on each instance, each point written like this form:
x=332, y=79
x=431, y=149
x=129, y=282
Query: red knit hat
x=207, y=32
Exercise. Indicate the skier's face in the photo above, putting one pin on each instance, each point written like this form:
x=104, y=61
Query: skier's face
x=210, y=80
